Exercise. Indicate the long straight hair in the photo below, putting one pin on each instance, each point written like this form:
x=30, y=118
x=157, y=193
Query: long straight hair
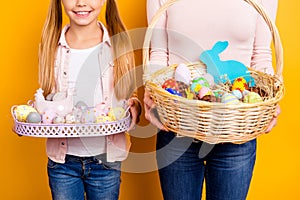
x=48, y=46
x=124, y=64
x=124, y=73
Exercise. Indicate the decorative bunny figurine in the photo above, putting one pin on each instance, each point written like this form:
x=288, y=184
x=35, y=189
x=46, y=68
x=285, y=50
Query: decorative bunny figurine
x=60, y=107
x=223, y=71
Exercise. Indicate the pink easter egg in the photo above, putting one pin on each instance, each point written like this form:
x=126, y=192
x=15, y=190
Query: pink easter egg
x=203, y=92
x=48, y=116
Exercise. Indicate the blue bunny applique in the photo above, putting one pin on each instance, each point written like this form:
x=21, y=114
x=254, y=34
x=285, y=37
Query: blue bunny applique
x=224, y=70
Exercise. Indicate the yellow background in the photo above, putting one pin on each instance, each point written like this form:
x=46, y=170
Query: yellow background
x=23, y=159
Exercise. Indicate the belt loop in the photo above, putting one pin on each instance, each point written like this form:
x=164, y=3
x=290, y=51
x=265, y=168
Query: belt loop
x=100, y=158
x=196, y=140
x=178, y=135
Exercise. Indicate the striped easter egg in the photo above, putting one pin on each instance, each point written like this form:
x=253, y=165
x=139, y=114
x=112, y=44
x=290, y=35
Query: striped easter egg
x=229, y=99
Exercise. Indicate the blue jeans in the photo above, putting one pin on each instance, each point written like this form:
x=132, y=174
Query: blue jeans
x=82, y=178
x=184, y=164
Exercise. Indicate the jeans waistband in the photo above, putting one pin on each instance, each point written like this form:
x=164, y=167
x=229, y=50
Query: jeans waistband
x=182, y=136
x=86, y=158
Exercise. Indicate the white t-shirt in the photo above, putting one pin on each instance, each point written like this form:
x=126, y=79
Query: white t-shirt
x=84, y=78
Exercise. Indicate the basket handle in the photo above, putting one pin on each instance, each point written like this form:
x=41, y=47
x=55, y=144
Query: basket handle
x=12, y=111
x=275, y=36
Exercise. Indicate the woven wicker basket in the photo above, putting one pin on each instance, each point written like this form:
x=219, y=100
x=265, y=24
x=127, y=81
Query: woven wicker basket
x=215, y=122
x=70, y=130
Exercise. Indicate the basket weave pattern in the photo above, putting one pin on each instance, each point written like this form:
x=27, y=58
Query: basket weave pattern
x=210, y=121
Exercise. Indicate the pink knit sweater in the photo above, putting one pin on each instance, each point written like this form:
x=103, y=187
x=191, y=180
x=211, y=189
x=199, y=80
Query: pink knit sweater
x=190, y=26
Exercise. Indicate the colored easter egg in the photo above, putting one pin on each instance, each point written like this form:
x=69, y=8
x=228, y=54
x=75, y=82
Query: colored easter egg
x=77, y=114
x=34, y=117
x=81, y=105
x=252, y=97
x=202, y=81
x=59, y=120
x=245, y=92
x=89, y=116
x=239, y=84
x=172, y=91
x=102, y=109
x=198, y=83
x=170, y=83
x=22, y=111
x=228, y=98
x=48, y=116
x=195, y=87
x=101, y=113
x=182, y=88
x=237, y=93
x=116, y=113
x=101, y=119
x=182, y=73
x=70, y=118
x=203, y=92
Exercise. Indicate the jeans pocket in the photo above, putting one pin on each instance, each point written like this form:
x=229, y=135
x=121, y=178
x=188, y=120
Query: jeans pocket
x=51, y=164
x=112, y=165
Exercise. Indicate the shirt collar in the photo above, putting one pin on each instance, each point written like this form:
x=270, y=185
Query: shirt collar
x=63, y=42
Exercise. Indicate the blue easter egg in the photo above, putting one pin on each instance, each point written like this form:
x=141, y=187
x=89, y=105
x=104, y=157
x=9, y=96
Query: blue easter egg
x=34, y=117
x=174, y=92
x=237, y=93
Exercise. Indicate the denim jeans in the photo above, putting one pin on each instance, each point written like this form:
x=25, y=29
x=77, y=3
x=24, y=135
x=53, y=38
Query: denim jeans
x=82, y=178
x=184, y=164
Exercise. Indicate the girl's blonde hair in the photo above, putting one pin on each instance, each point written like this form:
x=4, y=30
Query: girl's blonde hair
x=124, y=73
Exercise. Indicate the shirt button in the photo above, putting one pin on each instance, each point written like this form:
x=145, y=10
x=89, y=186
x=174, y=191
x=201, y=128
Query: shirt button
x=62, y=143
x=65, y=73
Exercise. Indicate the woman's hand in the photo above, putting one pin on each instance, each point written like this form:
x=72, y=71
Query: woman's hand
x=149, y=114
x=135, y=111
x=274, y=120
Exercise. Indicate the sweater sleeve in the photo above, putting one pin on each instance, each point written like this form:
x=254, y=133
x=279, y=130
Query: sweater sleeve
x=159, y=41
x=262, y=56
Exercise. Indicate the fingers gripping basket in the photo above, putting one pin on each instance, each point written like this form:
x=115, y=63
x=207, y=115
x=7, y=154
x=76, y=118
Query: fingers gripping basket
x=215, y=122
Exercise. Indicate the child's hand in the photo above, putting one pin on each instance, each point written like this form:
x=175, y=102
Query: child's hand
x=149, y=112
x=274, y=120
x=135, y=111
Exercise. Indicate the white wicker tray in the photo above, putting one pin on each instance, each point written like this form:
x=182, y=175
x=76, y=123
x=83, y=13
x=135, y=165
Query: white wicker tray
x=71, y=130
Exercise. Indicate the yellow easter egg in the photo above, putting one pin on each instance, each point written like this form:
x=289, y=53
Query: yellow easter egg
x=116, y=113
x=22, y=111
x=103, y=118
x=239, y=84
x=252, y=97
